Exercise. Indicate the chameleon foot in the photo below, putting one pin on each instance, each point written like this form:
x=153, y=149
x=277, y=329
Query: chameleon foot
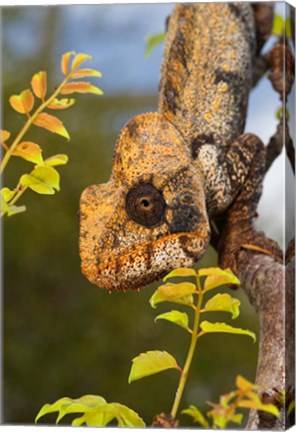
x=236, y=237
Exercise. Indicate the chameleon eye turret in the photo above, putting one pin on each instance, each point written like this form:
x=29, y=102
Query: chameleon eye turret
x=150, y=217
x=145, y=205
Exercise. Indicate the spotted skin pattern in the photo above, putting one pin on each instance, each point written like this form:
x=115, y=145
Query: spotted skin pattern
x=175, y=169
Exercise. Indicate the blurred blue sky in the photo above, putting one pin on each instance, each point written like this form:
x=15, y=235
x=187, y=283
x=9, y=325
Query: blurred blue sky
x=115, y=36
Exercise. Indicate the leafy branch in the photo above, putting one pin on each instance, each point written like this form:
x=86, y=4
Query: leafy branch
x=245, y=396
x=191, y=295
x=97, y=412
x=44, y=178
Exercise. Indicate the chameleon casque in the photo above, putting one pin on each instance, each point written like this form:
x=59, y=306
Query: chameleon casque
x=176, y=169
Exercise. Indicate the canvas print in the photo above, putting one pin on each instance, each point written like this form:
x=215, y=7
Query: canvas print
x=147, y=208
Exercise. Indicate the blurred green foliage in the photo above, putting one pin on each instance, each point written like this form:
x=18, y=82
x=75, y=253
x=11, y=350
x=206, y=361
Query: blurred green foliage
x=64, y=337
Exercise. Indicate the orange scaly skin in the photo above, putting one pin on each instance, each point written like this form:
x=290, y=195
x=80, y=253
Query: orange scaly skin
x=175, y=169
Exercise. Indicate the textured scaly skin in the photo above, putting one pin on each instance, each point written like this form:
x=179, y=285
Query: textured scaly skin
x=175, y=169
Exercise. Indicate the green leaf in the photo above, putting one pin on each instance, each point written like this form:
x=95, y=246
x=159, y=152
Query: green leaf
x=7, y=194
x=58, y=159
x=43, y=180
x=152, y=41
x=237, y=418
x=173, y=292
x=177, y=317
x=55, y=407
x=80, y=405
x=180, y=272
x=197, y=416
x=96, y=411
x=223, y=303
x=126, y=417
x=150, y=363
x=208, y=327
x=217, y=277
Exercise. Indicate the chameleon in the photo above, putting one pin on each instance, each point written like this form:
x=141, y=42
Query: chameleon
x=179, y=169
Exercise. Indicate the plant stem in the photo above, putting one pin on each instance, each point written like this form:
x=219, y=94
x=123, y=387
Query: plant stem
x=29, y=123
x=19, y=193
x=192, y=346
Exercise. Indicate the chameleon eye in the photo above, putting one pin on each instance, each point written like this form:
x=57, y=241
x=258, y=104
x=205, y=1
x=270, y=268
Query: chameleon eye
x=145, y=205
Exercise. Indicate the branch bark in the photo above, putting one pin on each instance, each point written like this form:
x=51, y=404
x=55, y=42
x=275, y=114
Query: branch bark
x=270, y=289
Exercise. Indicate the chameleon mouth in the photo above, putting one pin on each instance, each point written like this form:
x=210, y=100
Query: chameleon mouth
x=148, y=262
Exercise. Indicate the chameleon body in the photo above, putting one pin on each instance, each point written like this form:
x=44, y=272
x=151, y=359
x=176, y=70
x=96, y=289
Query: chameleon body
x=175, y=169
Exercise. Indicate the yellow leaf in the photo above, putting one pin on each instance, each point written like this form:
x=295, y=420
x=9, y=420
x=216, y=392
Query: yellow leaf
x=244, y=384
x=4, y=135
x=78, y=59
x=22, y=103
x=150, y=363
x=223, y=303
x=58, y=159
x=65, y=61
x=29, y=151
x=39, y=84
x=7, y=194
x=82, y=73
x=61, y=103
x=209, y=327
x=80, y=87
x=173, y=292
x=180, y=272
x=43, y=180
x=217, y=277
x=51, y=123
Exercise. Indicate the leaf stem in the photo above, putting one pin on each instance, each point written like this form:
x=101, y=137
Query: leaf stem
x=191, y=350
x=19, y=192
x=29, y=123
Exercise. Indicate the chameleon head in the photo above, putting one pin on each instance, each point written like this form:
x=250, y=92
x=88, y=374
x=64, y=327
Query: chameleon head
x=150, y=217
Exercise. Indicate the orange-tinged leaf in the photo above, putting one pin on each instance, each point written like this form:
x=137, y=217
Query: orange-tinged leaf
x=51, y=123
x=17, y=104
x=82, y=73
x=61, y=103
x=78, y=59
x=80, y=87
x=4, y=135
x=65, y=61
x=22, y=103
x=39, y=84
x=244, y=384
x=27, y=99
x=29, y=151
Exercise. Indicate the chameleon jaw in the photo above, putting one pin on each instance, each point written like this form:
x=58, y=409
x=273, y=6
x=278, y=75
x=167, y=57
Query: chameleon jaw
x=148, y=262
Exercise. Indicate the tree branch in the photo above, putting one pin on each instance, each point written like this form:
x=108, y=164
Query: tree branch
x=270, y=288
